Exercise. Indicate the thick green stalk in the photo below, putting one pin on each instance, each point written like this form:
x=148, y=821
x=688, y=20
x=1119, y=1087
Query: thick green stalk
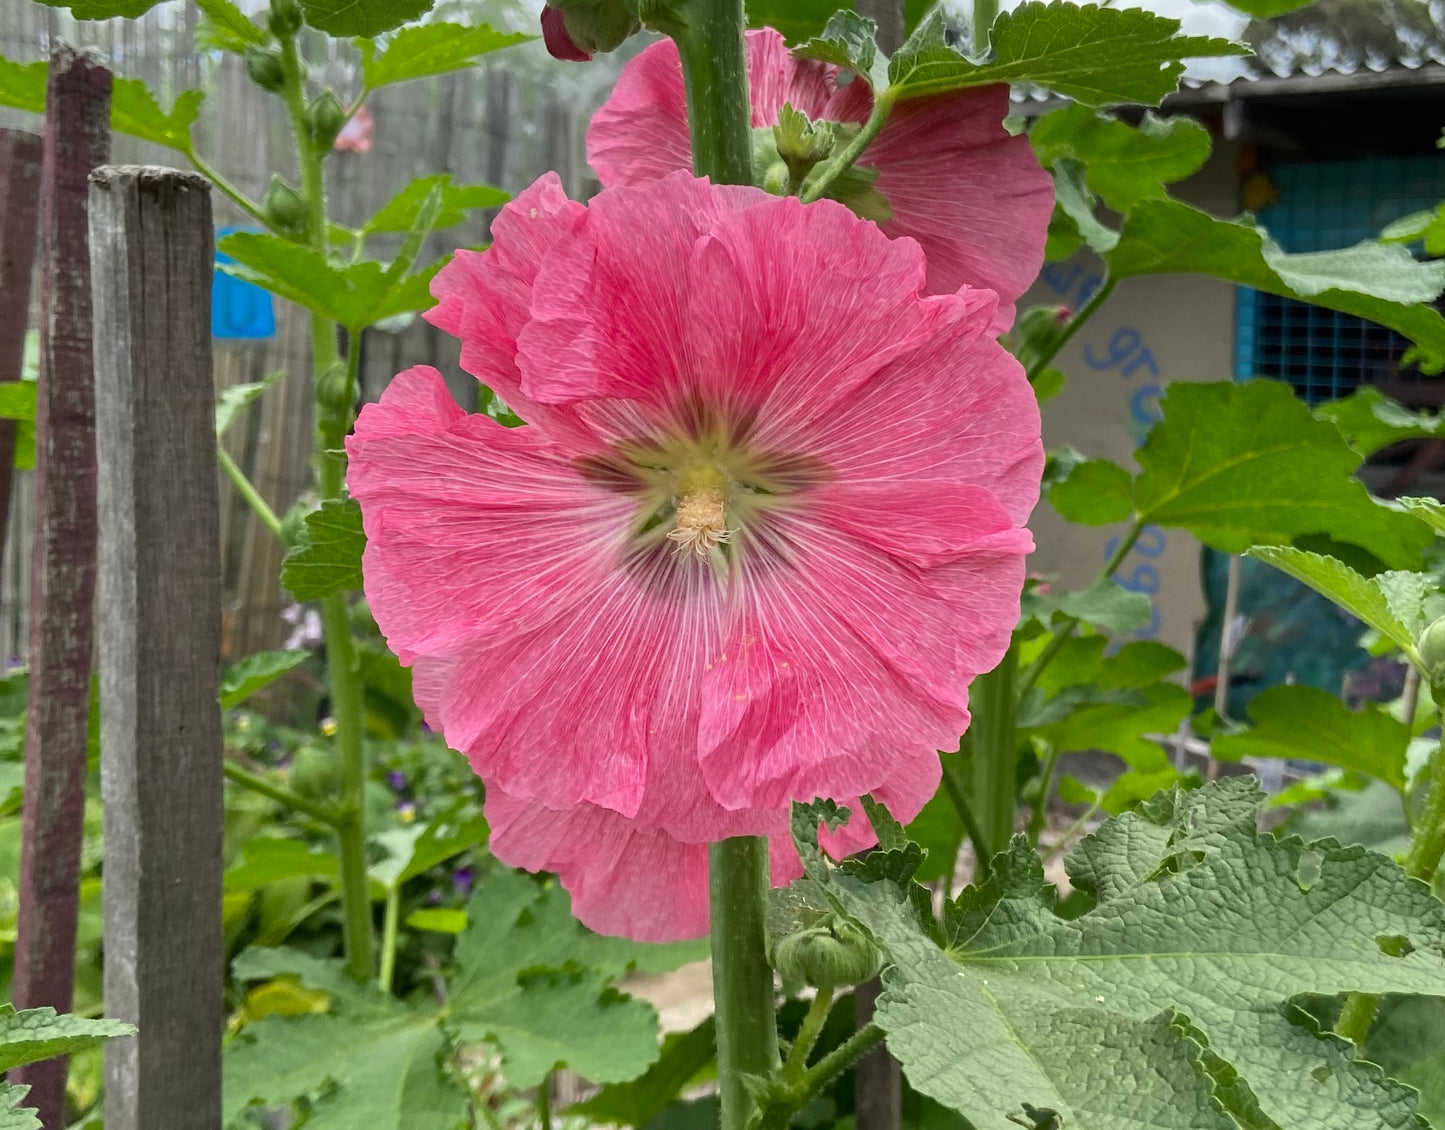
x=333, y=421
x=993, y=701
x=1429, y=843
x=388, y=940
x=709, y=35
x=715, y=73
x=742, y=979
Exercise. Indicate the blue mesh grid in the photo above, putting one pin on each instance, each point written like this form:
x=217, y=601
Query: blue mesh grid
x=1325, y=205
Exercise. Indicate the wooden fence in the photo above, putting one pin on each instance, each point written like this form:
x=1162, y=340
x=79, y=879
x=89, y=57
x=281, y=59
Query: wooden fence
x=501, y=123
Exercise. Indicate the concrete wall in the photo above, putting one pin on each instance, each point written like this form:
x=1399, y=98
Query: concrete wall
x=1150, y=332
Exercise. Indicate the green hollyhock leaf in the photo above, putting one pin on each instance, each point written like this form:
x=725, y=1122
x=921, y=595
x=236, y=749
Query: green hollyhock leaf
x=134, y=110
x=534, y=981
x=1428, y=510
x=14, y=1116
x=363, y=18
x=414, y=850
x=235, y=398
x=22, y=85
x=328, y=558
x=1105, y=605
x=1246, y=464
x=1360, y=596
x=1096, y=493
x=1369, y=420
x=1177, y=983
x=270, y=859
x=638, y=1101
x=1125, y=165
x=1381, y=283
x=1121, y=727
x=430, y=49
x=245, y=678
x=1312, y=725
x=402, y=211
x=104, y=9
x=225, y=26
x=797, y=20
x=356, y=295
x=374, y=1061
x=1266, y=9
x=1097, y=56
x=847, y=40
x=1408, y=1042
x=33, y=1034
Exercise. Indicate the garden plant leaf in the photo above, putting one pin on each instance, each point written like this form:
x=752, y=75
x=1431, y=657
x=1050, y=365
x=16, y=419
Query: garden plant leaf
x=430, y=49
x=1179, y=981
x=328, y=559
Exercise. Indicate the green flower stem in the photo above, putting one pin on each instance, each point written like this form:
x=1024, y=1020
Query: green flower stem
x=1429, y=843
x=812, y=1027
x=1076, y=323
x=1067, y=629
x=709, y=35
x=279, y=793
x=742, y=979
x=957, y=789
x=882, y=105
x=837, y=1061
x=1073, y=830
x=247, y=490
x=1040, y=802
x=984, y=13
x=343, y=672
x=388, y=939
x=714, y=70
x=995, y=754
x=1357, y=1016
x=544, y=1103
x=227, y=189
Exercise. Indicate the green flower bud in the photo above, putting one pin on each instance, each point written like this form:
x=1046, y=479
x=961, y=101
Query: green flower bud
x=263, y=64
x=1431, y=646
x=284, y=18
x=324, y=119
x=590, y=26
x=801, y=142
x=284, y=207
x=833, y=952
x=334, y=390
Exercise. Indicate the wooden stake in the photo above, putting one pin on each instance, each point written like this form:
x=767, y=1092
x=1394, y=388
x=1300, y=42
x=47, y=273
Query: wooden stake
x=62, y=580
x=19, y=215
x=160, y=646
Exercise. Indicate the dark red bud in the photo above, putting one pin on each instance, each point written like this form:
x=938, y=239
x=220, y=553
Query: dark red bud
x=559, y=43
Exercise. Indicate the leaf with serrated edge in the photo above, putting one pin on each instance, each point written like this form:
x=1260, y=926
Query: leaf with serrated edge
x=1247, y=464
x=1202, y=926
x=134, y=110
x=329, y=559
x=1374, y=281
x=1096, y=493
x=528, y=981
x=430, y=49
x=1369, y=420
x=1358, y=595
x=1098, y=56
x=13, y=1116
x=33, y=1034
x=637, y=1101
x=365, y=18
x=1308, y=724
x=401, y=211
x=847, y=41
x=234, y=398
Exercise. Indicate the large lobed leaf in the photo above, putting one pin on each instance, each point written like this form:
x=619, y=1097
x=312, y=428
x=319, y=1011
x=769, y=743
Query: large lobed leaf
x=1247, y=464
x=1375, y=281
x=34, y=1034
x=1178, y=982
x=1095, y=55
x=328, y=558
x=430, y=49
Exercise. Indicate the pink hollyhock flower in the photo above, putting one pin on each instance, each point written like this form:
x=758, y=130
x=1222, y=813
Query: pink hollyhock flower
x=975, y=199
x=355, y=135
x=763, y=528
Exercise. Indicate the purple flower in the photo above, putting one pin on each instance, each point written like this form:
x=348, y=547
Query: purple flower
x=462, y=879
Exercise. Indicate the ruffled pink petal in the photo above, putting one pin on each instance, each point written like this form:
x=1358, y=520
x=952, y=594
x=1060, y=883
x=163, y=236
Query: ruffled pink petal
x=640, y=133
x=775, y=77
x=435, y=484
x=976, y=199
x=956, y=409
x=485, y=298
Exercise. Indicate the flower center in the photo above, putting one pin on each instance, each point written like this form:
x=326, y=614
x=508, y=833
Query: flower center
x=700, y=514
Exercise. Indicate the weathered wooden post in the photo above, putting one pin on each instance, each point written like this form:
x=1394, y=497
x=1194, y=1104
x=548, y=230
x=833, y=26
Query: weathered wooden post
x=62, y=579
x=160, y=646
x=19, y=213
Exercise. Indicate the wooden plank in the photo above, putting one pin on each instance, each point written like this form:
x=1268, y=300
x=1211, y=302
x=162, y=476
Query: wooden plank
x=62, y=585
x=19, y=219
x=878, y=1078
x=160, y=646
